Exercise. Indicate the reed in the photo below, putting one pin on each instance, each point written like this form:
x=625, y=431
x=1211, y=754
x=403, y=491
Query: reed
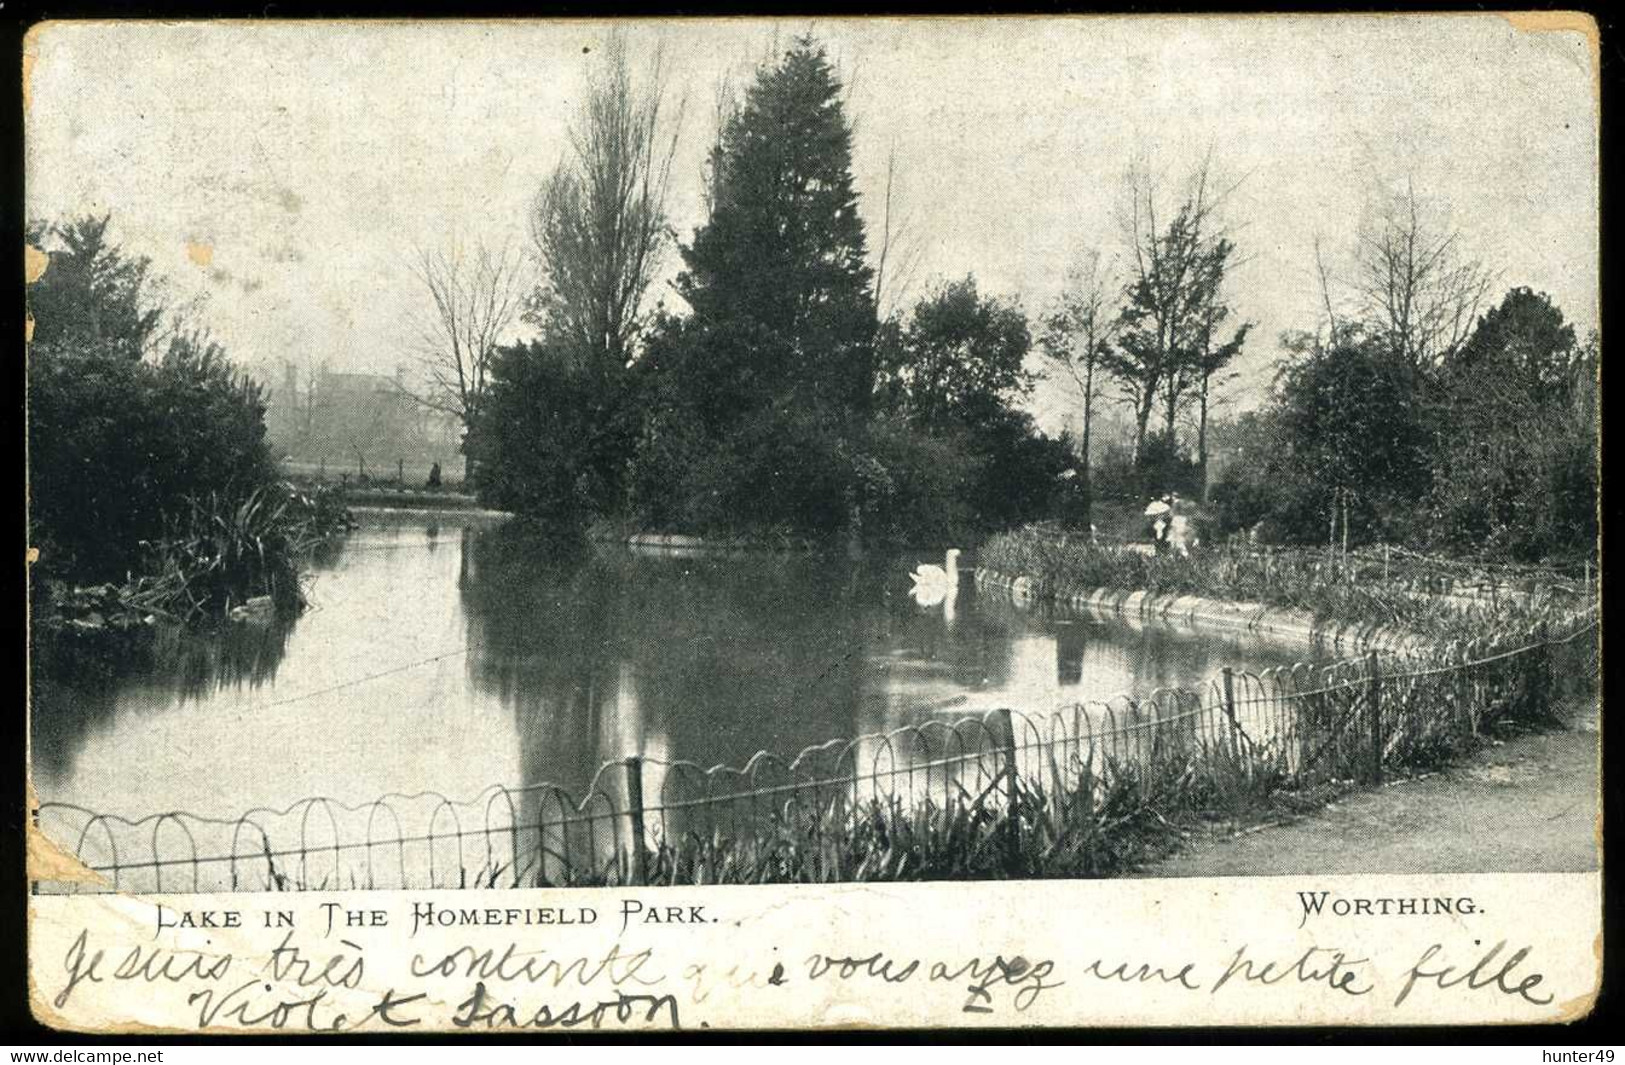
x=1331, y=588
x=224, y=550
x=1096, y=817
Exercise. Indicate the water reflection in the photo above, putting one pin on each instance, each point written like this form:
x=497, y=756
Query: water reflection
x=449, y=654
x=363, y=695
x=79, y=684
x=603, y=654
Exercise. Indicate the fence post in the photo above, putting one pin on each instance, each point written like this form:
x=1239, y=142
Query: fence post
x=634, y=807
x=1230, y=702
x=1345, y=536
x=1543, y=678
x=1012, y=837
x=1374, y=695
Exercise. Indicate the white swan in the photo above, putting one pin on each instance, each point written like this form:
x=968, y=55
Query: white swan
x=934, y=584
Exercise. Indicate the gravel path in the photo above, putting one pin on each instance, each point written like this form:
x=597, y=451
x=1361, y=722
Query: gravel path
x=1530, y=804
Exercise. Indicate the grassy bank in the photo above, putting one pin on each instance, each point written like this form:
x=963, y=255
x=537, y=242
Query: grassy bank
x=1330, y=589
x=410, y=499
x=1089, y=821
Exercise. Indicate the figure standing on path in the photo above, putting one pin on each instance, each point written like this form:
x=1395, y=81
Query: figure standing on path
x=1162, y=513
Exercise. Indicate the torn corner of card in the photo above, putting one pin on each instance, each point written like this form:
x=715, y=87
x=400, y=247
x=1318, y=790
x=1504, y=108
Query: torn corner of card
x=51, y=862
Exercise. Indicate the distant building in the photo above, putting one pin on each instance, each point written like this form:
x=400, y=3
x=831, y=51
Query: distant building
x=356, y=421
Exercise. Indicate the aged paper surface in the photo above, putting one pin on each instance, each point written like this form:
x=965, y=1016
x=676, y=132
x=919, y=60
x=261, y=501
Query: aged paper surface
x=472, y=594
x=1152, y=953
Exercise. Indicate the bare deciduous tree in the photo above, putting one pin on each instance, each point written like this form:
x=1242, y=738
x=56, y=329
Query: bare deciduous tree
x=1173, y=302
x=724, y=103
x=1415, y=281
x=310, y=374
x=474, y=297
x=1078, y=336
x=1334, y=324
x=897, y=256
x=599, y=223
x=1208, y=363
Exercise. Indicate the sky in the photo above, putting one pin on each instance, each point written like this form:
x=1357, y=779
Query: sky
x=283, y=175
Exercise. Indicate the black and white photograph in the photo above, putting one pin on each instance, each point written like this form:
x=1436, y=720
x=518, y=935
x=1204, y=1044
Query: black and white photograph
x=549, y=455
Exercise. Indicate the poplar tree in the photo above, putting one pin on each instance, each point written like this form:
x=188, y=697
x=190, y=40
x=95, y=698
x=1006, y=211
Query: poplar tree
x=599, y=224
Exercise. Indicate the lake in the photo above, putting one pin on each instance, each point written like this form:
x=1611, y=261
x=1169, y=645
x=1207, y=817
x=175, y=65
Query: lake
x=450, y=653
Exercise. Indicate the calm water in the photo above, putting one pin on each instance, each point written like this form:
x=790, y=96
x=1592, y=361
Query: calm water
x=455, y=654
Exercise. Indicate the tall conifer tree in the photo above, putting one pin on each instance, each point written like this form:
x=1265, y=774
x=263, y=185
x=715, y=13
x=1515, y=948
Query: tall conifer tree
x=783, y=255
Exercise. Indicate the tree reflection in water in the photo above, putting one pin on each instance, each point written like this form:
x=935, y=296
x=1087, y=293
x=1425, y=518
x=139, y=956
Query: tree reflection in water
x=453, y=655
x=76, y=681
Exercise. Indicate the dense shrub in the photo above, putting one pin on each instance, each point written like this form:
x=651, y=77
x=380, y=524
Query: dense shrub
x=1490, y=454
x=554, y=434
x=1260, y=490
x=916, y=488
x=118, y=447
x=1016, y=475
x=1349, y=427
x=1516, y=439
x=151, y=485
x=671, y=442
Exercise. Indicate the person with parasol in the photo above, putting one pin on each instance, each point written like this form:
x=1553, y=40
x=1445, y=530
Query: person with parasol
x=1161, y=512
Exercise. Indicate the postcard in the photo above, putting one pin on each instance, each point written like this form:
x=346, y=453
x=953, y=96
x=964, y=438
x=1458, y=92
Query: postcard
x=756, y=523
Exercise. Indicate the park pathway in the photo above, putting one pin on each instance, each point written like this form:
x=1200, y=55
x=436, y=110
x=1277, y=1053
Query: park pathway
x=1530, y=804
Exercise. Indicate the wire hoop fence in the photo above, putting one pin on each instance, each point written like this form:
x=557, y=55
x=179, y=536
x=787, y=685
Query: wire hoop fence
x=987, y=795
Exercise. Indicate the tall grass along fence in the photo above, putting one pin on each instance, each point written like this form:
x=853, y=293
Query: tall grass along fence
x=1087, y=790
x=1382, y=583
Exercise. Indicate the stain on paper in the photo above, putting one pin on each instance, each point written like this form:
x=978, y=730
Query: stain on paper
x=35, y=262
x=1580, y=1007
x=1553, y=22
x=1563, y=22
x=29, y=59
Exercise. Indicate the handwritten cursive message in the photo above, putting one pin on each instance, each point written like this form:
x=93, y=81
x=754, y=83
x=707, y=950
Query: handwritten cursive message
x=398, y=963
